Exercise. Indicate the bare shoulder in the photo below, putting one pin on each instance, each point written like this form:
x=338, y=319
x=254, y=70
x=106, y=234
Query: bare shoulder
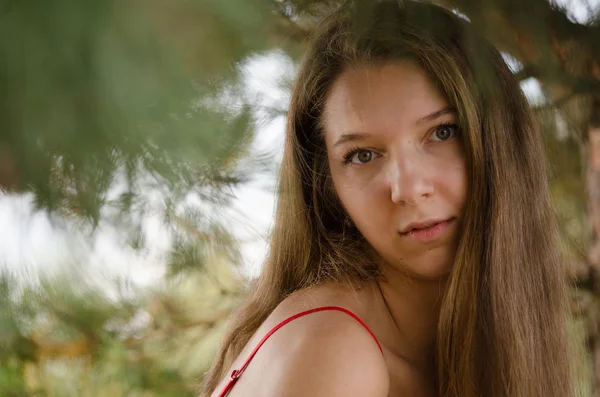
x=325, y=353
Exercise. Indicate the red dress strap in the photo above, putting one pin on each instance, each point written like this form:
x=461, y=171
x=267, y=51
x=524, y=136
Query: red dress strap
x=236, y=373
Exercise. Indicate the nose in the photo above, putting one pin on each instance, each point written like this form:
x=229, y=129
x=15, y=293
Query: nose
x=410, y=180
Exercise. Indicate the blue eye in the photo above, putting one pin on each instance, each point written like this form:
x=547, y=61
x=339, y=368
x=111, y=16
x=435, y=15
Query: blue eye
x=444, y=132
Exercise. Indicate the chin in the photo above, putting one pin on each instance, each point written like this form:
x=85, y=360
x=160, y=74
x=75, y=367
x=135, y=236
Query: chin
x=431, y=266
x=427, y=273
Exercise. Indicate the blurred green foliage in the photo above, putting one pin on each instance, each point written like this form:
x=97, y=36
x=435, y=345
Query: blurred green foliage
x=93, y=94
x=67, y=338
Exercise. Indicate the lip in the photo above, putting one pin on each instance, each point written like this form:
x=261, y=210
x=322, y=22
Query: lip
x=427, y=230
x=423, y=224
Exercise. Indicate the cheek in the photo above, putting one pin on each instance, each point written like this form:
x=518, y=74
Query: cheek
x=448, y=168
x=453, y=180
x=365, y=198
x=346, y=190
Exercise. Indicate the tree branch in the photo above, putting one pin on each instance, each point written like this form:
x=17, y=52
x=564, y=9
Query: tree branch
x=541, y=36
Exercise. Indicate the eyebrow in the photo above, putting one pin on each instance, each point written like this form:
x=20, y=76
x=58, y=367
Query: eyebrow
x=430, y=117
x=350, y=137
x=357, y=136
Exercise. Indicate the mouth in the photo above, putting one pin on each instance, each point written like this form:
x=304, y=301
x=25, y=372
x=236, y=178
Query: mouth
x=427, y=231
x=424, y=225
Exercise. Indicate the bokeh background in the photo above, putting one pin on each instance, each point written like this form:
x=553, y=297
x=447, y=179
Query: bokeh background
x=139, y=149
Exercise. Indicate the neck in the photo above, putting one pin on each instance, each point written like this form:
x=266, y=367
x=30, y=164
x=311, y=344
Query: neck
x=413, y=312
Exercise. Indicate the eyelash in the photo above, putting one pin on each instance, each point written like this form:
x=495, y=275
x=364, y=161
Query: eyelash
x=351, y=152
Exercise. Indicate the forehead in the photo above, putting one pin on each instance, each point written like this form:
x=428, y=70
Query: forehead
x=377, y=98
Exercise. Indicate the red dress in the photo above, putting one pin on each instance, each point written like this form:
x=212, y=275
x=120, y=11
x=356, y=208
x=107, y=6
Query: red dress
x=236, y=373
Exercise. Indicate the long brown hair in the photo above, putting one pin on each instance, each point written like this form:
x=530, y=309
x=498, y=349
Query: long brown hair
x=502, y=328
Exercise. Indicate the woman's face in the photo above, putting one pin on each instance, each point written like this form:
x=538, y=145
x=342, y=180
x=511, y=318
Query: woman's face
x=398, y=165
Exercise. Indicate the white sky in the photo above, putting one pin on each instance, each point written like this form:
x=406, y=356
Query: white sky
x=29, y=243
x=579, y=10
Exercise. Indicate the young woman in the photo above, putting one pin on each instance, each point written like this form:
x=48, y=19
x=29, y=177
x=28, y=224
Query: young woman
x=414, y=249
